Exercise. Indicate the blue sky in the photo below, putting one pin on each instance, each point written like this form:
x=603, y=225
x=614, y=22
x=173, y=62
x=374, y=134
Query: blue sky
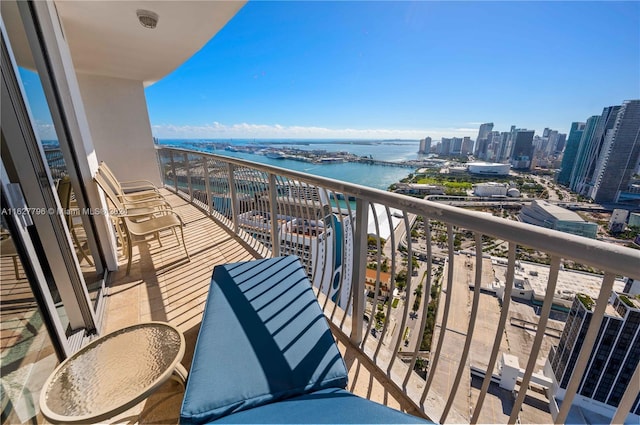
x=402, y=69
x=372, y=70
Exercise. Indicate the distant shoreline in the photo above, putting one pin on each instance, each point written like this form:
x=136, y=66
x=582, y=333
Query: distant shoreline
x=297, y=141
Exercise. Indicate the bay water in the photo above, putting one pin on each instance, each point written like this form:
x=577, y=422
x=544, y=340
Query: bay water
x=370, y=175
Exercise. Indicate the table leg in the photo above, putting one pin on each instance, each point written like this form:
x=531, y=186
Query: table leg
x=180, y=374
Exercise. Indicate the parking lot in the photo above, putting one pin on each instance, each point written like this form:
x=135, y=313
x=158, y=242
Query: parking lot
x=516, y=341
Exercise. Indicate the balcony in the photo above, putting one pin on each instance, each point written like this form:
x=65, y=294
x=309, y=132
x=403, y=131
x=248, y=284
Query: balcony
x=162, y=286
x=228, y=206
x=433, y=348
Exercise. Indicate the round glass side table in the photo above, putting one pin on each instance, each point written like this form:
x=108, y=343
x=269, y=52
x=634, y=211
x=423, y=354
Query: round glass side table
x=113, y=373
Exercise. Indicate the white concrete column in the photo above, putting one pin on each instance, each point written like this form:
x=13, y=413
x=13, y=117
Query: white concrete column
x=116, y=109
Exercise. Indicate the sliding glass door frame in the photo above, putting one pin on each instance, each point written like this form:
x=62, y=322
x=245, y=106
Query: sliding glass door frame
x=25, y=240
x=55, y=69
x=53, y=63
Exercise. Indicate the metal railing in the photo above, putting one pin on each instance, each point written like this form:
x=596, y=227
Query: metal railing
x=56, y=162
x=414, y=249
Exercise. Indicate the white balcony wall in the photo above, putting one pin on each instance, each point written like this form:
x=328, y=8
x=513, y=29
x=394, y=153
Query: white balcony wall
x=116, y=109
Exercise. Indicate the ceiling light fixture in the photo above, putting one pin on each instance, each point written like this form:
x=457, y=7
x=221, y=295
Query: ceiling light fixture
x=147, y=18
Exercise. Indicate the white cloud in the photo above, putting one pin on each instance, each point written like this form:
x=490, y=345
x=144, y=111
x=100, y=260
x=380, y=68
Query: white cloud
x=217, y=130
x=46, y=131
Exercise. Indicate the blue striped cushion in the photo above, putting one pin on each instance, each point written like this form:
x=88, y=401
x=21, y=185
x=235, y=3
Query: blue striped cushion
x=263, y=338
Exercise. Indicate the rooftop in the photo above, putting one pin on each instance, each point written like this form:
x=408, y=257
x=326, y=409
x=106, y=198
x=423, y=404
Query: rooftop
x=373, y=276
x=558, y=213
x=570, y=282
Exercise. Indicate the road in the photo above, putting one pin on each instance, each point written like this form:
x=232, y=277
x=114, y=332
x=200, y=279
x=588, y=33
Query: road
x=413, y=321
x=455, y=336
x=399, y=234
x=395, y=329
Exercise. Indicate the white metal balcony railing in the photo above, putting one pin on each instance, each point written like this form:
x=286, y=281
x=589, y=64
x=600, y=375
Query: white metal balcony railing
x=326, y=222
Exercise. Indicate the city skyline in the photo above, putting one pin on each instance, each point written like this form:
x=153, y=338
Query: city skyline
x=401, y=70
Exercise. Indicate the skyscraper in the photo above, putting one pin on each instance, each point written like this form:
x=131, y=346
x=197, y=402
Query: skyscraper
x=562, y=138
x=619, y=155
x=445, y=146
x=579, y=165
x=493, y=146
x=552, y=139
x=608, y=154
x=522, y=151
x=456, y=146
x=483, y=133
x=425, y=145
x=467, y=146
x=613, y=358
x=508, y=148
x=569, y=158
x=482, y=145
x=589, y=152
x=502, y=150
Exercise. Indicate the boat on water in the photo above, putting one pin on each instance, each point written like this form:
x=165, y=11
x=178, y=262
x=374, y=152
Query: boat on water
x=275, y=155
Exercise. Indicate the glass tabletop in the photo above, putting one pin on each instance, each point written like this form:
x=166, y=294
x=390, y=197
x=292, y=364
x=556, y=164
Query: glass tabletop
x=113, y=372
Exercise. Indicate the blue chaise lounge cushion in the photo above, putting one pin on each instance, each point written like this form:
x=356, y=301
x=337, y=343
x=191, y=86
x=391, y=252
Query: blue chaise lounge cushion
x=263, y=338
x=328, y=406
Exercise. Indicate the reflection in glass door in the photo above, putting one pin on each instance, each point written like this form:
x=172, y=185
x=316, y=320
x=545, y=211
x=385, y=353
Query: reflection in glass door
x=27, y=181
x=33, y=320
x=39, y=78
x=27, y=352
x=92, y=272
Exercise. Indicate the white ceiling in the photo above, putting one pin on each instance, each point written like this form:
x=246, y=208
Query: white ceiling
x=105, y=37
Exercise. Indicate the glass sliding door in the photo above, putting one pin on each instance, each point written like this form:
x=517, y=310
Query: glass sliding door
x=51, y=270
x=72, y=207
x=27, y=176
x=57, y=157
x=34, y=325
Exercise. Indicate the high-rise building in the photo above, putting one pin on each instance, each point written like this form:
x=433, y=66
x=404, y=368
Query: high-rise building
x=562, y=138
x=484, y=130
x=613, y=358
x=589, y=151
x=569, y=158
x=510, y=139
x=445, y=146
x=579, y=165
x=493, y=146
x=619, y=155
x=483, y=133
x=608, y=154
x=522, y=151
x=502, y=151
x=552, y=139
x=323, y=243
x=425, y=145
x=482, y=145
x=539, y=144
x=456, y=146
x=631, y=286
x=467, y=146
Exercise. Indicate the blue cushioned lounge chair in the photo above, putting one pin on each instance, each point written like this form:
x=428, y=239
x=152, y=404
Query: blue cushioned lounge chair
x=265, y=354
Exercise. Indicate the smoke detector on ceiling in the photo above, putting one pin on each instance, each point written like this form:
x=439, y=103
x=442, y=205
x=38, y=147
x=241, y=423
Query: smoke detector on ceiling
x=147, y=18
